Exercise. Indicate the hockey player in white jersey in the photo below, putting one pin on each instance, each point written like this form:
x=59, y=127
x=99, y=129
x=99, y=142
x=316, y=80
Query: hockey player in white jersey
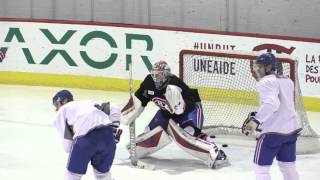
x=89, y=131
x=179, y=118
x=276, y=119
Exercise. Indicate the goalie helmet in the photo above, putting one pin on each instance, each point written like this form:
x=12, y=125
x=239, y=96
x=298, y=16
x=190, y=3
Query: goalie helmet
x=61, y=96
x=160, y=73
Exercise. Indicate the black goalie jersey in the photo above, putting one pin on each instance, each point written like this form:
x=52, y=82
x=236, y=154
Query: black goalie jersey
x=148, y=92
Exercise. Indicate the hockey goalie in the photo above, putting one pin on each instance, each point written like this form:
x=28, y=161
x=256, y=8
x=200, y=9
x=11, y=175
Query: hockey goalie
x=179, y=119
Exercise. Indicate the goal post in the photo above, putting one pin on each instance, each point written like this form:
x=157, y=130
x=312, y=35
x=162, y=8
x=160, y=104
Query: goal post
x=227, y=87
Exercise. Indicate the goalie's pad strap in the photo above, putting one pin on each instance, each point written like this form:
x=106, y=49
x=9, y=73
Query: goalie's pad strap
x=204, y=150
x=151, y=141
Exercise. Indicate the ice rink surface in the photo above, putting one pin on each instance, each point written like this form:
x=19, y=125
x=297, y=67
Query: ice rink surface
x=31, y=149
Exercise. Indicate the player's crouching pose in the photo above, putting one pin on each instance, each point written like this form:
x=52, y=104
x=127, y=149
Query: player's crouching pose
x=89, y=133
x=277, y=120
x=180, y=117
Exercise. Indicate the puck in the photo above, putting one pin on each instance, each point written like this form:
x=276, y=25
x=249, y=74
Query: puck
x=224, y=145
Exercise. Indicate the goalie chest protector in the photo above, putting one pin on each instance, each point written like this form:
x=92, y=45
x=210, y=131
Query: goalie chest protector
x=148, y=92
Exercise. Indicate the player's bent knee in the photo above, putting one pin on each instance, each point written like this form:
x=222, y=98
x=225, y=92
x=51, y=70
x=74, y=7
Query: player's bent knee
x=286, y=164
x=102, y=176
x=72, y=176
x=262, y=169
x=262, y=172
x=288, y=169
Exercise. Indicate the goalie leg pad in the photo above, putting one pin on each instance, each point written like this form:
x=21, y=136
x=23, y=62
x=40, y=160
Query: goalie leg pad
x=208, y=152
x=151, y=141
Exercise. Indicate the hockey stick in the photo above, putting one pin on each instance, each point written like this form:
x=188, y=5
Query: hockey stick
x=132, y=132
x=132, y=126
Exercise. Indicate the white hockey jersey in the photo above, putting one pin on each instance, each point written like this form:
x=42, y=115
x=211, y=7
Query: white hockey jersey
x=77, y=118
x=276, y=112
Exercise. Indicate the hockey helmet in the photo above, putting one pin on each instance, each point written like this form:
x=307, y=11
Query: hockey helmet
x=267, y=59
x=61, y=96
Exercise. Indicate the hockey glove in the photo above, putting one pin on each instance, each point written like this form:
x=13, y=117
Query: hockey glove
x=251, y=124
x=117, y=134
x=116, y=131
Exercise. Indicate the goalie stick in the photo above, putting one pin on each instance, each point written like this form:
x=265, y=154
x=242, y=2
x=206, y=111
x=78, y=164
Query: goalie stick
x=132, y=134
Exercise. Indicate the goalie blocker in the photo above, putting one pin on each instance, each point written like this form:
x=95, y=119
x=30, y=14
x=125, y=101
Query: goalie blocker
x=157, y=138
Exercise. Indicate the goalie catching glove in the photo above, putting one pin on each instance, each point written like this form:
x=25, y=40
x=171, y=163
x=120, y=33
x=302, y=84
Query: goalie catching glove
x=132, y=110
x=251, y=124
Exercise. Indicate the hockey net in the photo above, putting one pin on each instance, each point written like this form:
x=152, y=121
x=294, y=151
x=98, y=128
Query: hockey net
x=227, y=87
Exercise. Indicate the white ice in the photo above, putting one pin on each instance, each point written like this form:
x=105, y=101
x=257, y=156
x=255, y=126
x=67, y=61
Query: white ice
x=30, y=147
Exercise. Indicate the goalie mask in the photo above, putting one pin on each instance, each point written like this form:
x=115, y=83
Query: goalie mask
x=265, y=64
x=160, y=73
